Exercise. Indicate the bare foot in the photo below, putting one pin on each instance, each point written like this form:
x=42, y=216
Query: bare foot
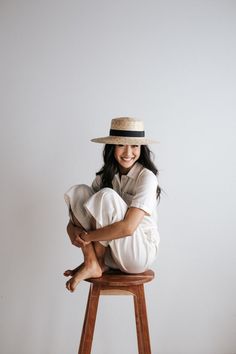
x=103, y=267
x=85, y=272
x=71, y=272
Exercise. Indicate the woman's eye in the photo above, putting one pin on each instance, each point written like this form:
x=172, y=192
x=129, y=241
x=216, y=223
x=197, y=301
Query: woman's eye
x=134, y=146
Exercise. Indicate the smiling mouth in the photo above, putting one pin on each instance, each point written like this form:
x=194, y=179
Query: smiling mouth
x=128, y=159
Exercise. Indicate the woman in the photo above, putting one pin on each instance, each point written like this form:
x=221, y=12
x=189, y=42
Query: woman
x=114, y=221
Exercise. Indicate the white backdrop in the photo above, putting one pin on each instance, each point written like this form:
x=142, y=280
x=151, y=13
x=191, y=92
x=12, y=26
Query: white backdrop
x=67, y=68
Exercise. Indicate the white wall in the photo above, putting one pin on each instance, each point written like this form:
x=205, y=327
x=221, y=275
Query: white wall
x=67, y=68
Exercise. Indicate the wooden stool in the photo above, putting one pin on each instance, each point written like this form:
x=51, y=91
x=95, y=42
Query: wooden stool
x=118, y=283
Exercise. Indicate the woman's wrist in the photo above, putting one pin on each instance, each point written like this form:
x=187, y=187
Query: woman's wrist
x=83, y=235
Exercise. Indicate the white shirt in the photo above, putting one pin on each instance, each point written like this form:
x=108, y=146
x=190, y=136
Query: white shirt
x=137, y=189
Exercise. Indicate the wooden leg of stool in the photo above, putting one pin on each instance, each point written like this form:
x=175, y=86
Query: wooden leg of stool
x=89, y=320
x=141, y=320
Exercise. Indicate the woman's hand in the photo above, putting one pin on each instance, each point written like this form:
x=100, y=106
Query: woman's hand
x=74, y=233
x=77, y=237
x=82, y=237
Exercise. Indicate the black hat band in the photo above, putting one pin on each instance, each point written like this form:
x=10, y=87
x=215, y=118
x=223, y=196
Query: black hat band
x=127, y=133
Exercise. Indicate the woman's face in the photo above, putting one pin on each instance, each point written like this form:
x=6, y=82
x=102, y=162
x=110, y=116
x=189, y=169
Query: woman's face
x=126, y=156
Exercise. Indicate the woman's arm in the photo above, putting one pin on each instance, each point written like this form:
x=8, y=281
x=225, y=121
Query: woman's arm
x=118, y=229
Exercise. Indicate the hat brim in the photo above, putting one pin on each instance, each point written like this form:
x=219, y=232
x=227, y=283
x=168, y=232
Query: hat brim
x=121, y=140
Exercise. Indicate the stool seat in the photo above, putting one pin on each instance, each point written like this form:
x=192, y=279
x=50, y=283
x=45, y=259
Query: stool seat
x=115, y=282
x=117, y=278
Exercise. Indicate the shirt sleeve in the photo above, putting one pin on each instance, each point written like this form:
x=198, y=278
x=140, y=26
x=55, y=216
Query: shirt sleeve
x=96, y=184
x=145, y=196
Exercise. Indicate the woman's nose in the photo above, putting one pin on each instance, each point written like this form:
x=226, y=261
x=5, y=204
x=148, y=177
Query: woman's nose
x=128, y=150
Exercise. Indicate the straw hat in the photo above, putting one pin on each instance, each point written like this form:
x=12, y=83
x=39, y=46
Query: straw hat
x=125, y=131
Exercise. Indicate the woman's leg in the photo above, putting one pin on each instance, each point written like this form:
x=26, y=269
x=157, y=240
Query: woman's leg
x=98, y=248
x=93, y=265
x=100, y=254
x=89, y=269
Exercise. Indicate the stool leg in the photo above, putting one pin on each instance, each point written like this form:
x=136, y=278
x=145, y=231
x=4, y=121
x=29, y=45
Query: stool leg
x=144, y=346
x=89, y=320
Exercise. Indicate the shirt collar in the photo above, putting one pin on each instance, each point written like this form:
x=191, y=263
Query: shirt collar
x=133, y=172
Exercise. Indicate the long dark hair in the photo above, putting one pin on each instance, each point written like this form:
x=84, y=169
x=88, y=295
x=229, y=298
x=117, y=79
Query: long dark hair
x=111, y=166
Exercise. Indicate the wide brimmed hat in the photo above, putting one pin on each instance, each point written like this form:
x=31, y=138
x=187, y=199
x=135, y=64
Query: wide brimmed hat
x=125, y=131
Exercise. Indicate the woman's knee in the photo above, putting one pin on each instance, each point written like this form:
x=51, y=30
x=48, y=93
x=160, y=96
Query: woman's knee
x=107, y=193
x=110, y=199
x=75, y=198
x=78, y=195
x=78, y=190
x=106, y=207
x=83, y=188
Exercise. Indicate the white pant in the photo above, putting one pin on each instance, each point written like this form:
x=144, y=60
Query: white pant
x=132, y=254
